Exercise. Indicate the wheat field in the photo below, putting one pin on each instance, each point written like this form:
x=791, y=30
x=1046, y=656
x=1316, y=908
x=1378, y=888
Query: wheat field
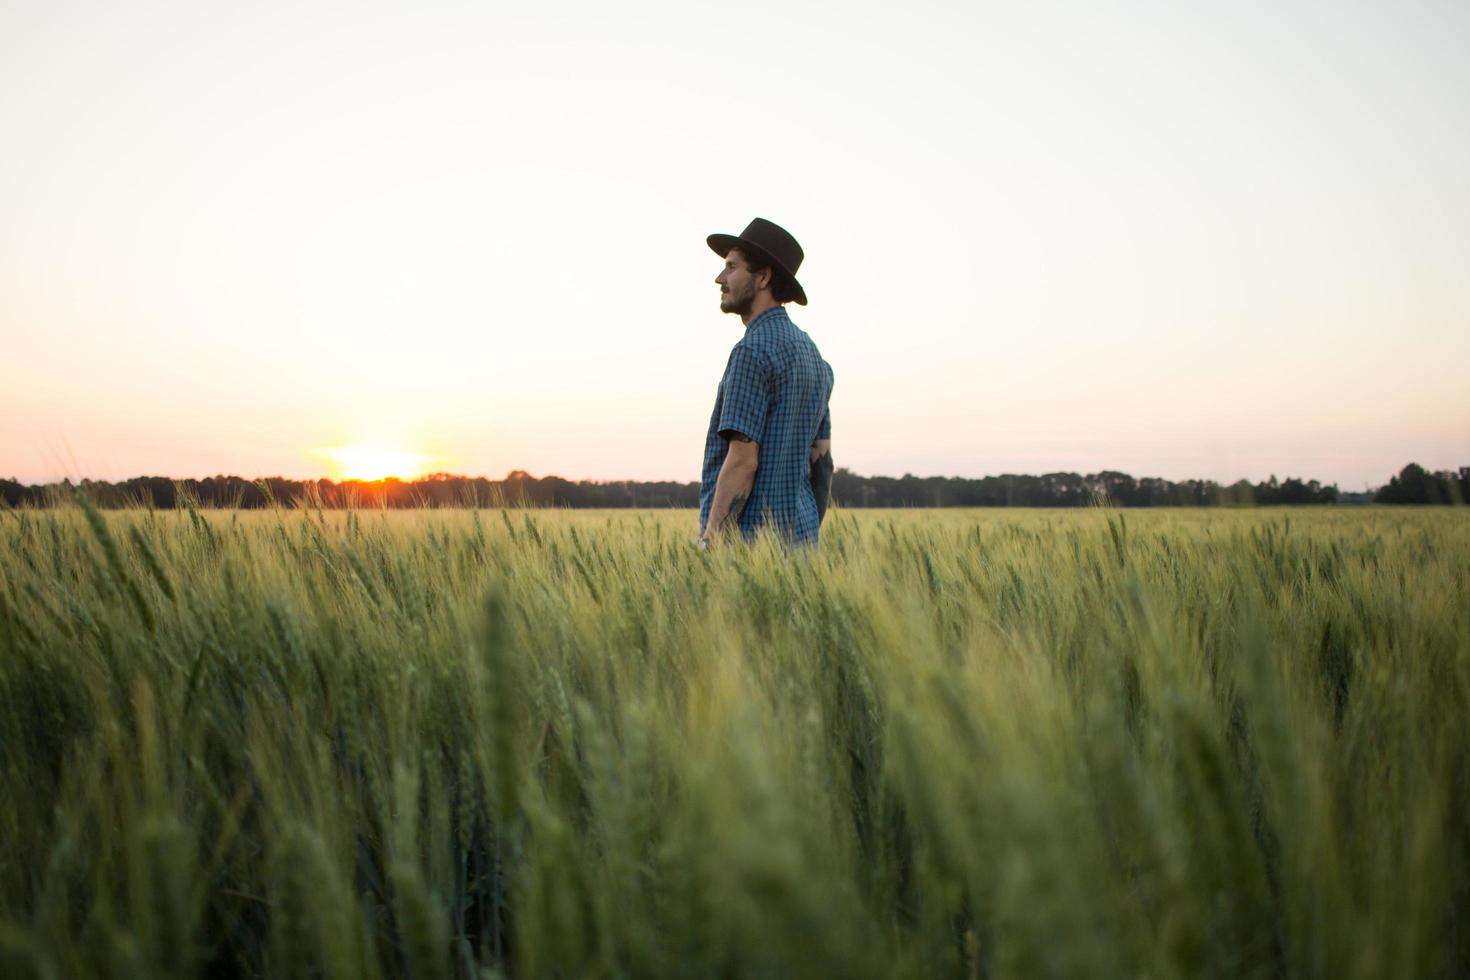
x=458, y=743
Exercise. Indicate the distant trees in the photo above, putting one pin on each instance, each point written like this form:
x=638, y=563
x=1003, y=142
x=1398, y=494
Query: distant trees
x=1067, y=490
x=1416, y=485
x=1413, y=485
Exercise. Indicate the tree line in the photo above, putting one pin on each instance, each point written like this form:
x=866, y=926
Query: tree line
x=1412, y=485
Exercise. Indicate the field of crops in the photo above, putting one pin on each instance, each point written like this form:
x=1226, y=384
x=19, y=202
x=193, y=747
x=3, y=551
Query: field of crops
x=1176, y=743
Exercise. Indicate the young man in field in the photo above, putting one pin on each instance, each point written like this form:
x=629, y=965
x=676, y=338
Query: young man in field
x=768, y=453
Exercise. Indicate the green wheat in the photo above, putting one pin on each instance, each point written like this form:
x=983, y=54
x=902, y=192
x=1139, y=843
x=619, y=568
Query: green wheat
x=569, y=744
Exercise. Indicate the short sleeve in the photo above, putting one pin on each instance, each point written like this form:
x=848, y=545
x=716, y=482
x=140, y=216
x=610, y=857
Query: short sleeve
x=746, y=394
x=824, y=431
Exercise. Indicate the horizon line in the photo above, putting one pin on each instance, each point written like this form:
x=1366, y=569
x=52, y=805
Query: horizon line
x=526, y=474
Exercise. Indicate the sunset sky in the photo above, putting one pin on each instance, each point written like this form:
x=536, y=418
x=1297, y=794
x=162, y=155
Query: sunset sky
x=1155, y=237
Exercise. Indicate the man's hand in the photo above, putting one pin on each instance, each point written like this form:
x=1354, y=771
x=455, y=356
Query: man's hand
x=732, y=488
x=820, y=473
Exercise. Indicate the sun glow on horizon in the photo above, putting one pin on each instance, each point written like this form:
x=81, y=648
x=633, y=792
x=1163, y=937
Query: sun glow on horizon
x=369, y=463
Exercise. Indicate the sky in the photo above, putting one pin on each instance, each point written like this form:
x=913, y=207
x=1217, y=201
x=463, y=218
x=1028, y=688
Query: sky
x=1178, y=240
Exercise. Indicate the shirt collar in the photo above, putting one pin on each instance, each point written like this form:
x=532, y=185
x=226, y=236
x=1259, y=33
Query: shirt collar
x=774, y=313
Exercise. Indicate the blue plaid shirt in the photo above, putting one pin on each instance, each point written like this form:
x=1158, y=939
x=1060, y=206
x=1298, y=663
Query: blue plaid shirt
x=775, y=390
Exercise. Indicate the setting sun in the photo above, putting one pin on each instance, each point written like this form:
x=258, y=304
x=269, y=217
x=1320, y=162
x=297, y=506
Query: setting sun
x=364, y=463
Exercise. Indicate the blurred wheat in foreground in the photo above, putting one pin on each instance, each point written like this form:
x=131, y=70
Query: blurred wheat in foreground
x=566, y=744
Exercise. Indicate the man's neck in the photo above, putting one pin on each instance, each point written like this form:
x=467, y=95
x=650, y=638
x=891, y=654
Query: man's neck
x=758, y=306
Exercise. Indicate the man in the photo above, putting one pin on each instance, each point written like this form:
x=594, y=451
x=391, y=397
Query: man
x=768, y=454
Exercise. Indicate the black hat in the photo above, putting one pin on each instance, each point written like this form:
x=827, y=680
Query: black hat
x=769, y=240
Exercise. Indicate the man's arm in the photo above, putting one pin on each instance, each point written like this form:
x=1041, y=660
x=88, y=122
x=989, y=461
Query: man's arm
x=820, y=474
x=732, y=487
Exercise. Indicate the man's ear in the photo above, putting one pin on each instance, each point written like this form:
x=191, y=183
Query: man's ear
x=765, y=278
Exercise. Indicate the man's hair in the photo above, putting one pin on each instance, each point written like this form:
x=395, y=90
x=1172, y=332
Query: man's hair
x=783, y=288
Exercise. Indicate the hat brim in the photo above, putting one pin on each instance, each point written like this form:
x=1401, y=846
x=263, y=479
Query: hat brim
x=721, y=245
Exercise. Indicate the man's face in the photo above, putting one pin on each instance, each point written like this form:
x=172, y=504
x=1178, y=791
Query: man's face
x=737, y=286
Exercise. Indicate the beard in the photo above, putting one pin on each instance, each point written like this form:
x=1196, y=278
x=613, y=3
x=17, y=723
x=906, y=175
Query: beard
x=738, y=301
